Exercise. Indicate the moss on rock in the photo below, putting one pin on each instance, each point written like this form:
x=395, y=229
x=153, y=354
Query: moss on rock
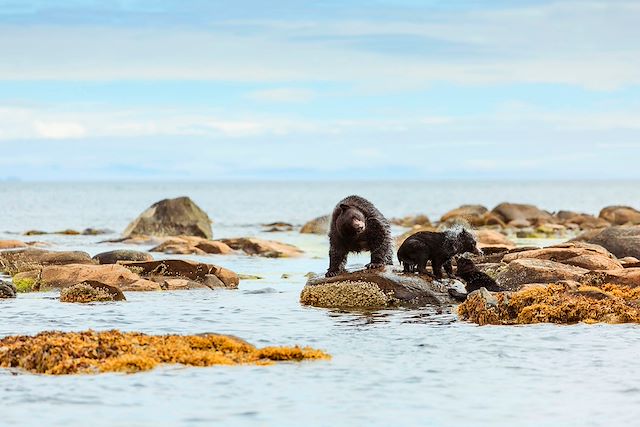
x=90, y=352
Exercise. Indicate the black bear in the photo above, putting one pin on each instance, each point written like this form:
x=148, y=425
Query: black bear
x=437, y=247
x=356, y=226
x=474, y=279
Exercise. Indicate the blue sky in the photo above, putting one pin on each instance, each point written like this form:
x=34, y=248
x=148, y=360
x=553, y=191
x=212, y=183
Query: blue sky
x=402, y=89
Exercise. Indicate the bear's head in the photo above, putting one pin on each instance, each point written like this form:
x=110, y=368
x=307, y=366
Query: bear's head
x=465, y=265
x=351, y=221
x=467, y=243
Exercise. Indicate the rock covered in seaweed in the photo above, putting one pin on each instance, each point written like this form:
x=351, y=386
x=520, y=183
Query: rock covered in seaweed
x=374, y=289
x=91, y=352
x=171, y=217
x=564, y=303
x=91, y=291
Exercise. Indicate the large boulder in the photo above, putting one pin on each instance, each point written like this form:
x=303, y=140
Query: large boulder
x=620, y=241
x=372, y=289
x=472, y=214
x=62, y=276
x=520, y=214
x=620, y=215
x=319, y=225
x=265, y=248
x=32, y=259
x=207, y=274
x=112, y=257
x=185, y=245
x=171, y=217
x=523, y=271
x=579, y=254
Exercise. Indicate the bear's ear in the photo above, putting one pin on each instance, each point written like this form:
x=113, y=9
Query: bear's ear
x=343, y=206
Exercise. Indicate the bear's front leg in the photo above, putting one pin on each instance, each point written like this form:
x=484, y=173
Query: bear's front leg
x=449, y=269
x=337, y=261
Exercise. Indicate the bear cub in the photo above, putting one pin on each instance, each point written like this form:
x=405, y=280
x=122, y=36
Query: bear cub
x=356, y=226
x=473, y=278
x=437, y=247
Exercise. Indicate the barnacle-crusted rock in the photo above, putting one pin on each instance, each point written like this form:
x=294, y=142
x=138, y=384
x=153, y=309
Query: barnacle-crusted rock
x=91, y=352
x=7, y=290
x=171, y=217
x=91, y=291
x=375, y=289
x=555, y=303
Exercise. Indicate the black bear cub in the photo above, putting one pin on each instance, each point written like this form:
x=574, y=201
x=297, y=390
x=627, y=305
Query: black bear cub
x=437, y=247
x=356, y=226
x=474, y=279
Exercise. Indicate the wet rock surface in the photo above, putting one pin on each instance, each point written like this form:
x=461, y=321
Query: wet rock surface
x=112, y=257
x=29, y=259
x=7, y=290
x=375, y=289
x=210, y=275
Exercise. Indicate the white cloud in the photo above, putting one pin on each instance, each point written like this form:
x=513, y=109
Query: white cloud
x=59, y=130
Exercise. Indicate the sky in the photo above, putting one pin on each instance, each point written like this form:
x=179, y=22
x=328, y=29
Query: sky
x=319, y=90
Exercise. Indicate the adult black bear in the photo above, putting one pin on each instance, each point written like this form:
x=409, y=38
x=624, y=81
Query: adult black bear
x=356, y=226
x=437, y=247
x=474, y=279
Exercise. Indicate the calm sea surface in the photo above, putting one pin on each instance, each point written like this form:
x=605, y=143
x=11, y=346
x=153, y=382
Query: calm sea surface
x=392, y=367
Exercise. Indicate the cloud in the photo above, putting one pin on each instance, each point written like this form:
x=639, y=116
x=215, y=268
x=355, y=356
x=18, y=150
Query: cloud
x=59, y=130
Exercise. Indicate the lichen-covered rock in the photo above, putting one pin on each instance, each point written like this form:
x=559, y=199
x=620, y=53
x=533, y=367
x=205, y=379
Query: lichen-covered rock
x=620, y=241
x=30, y=259
x=26, y=281
x=319, y=225
x=112, y=257
x=374, y=289
x=588, y=256
x=183, y=245
x=7, y=290
x=471, y=214
x=519, y=272
x=555, y=303
x=509, y=212
x=61, y=276
x=265, y=248
x=91, y=352
x=183, y=269
x=91, y=291
x=171, y=217
x=620, y=215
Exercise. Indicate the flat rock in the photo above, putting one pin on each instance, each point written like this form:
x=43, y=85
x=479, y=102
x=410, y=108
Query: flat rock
x=31, y=259
x=61, y=276
x=171, y=217
x=373, y=289
x=183, y=269
x=185, y=245
x=265, y=248
x=579, y=254
x=112, y=257
x=520, y=272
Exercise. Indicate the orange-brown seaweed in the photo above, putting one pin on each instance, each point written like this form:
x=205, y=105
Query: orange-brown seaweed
x=555, y=303
x=60, y=353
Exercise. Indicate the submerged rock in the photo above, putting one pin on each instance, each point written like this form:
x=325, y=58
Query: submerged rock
x=183, y=269
x=91, y=352
x=556, y=303
x=91, y=291
x=171, y=217
x=372, y=289
x=112, y=257
x=265, y=248
x=7, y=290
x=319, y=225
